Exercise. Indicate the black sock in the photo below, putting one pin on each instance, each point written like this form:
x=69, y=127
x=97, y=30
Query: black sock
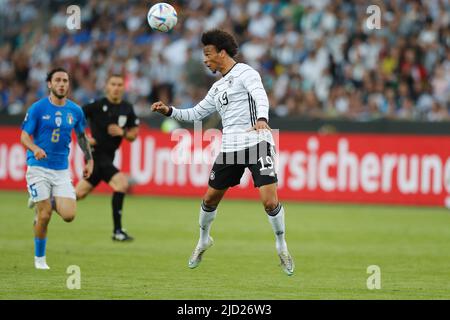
x=117, y=204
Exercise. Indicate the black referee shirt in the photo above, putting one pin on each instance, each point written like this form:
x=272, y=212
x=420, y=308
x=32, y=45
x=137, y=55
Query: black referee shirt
x=100, y=114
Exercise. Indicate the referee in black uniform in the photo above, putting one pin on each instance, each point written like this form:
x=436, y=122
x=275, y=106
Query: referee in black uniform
x=111, y=119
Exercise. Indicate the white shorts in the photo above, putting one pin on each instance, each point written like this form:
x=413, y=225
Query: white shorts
x=44, y=183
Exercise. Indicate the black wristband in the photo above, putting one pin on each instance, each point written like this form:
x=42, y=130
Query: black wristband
x=168, y=114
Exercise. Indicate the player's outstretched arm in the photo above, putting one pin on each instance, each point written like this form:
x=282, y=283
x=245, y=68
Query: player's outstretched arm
x=203, y=109
x=160, y=107
x=27, y=142
x=86, y=148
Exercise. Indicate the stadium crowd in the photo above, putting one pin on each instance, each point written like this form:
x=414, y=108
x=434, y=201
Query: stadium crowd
x=317, y=58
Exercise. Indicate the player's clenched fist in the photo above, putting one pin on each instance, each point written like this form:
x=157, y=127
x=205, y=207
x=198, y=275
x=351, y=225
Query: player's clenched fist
x=260, y=125
x=39, y=154
x=160, y=107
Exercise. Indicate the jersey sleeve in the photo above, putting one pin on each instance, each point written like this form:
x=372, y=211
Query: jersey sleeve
x=80, y=125
x=253, y=84
x=30, y=122
x=203, y=109
x=132, y=119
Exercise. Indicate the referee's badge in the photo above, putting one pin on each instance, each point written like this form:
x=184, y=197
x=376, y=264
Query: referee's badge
x=212, y=176
x=122, y=121
x=105, y=108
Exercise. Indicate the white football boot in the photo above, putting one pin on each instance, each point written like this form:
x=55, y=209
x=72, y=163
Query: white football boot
x=41, y=263
x=196, y=256
x=287, y=263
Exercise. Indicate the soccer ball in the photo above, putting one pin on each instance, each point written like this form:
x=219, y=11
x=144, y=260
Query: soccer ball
x=162, y=17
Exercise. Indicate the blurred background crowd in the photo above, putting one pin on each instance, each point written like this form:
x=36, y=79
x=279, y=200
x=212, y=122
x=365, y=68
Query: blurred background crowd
x=317, y=58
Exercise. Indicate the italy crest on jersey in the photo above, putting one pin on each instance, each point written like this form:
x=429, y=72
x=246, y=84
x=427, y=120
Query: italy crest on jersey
x=69, y=119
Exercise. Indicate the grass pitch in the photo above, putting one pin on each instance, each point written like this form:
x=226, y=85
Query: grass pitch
x=332, y=245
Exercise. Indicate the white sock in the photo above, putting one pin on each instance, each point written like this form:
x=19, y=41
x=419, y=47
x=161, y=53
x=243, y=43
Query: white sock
x=277, y=222
x=205, y=219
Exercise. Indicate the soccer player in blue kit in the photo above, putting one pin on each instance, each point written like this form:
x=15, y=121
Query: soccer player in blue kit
x=46, y=133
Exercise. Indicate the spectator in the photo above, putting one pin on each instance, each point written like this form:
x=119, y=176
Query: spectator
x=317, y=58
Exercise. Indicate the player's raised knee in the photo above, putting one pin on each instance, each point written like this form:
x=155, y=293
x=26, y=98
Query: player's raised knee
x=213, y=197
x=210, y=201
x=67, y=208
x=69, y=218
x=68, y=215
x=270, y=205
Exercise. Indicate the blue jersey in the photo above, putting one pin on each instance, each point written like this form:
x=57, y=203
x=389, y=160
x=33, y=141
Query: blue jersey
x=51, y=127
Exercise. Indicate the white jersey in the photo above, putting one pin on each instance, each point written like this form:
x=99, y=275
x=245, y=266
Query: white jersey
x=240, y=99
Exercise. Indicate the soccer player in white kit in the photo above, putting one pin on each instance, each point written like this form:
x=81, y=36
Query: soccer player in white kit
x=240, y=99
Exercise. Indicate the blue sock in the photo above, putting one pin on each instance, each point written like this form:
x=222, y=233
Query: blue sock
x=39, y=247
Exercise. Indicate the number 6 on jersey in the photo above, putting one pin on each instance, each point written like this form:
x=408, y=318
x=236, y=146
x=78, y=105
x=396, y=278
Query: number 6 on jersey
x=55, y=135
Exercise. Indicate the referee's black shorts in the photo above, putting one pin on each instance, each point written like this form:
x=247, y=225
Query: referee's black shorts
x=104, y=169
x=229, y=167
